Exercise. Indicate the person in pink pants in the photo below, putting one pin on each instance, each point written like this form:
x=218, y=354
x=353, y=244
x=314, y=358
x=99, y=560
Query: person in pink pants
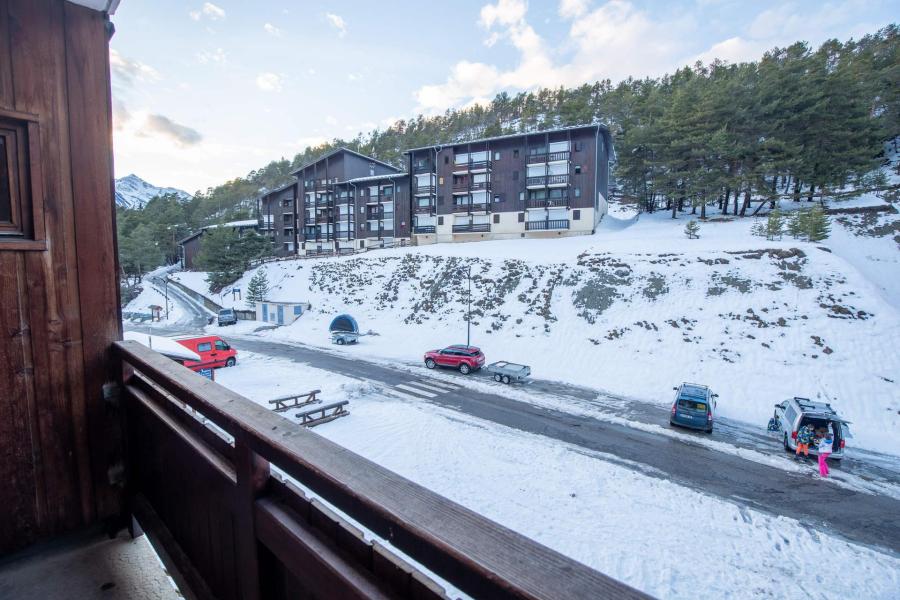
x=824, y=448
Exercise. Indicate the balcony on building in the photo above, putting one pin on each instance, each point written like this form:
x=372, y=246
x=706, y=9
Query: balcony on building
x=546, y=224
x=541, y=181
x=421, y=166
x=424, y=190
x=423, y=207
x=555, y=202
x=474, y=162
x=471, y=227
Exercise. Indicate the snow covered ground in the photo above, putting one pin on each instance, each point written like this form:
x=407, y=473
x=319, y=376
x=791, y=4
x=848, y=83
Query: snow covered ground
x=663, y=538
x=637, y=308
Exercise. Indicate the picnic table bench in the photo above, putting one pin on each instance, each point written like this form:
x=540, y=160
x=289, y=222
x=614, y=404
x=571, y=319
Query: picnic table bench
x=295, y=401
x=323, y=414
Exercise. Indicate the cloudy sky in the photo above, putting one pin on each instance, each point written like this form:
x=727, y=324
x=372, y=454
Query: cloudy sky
x=206, y=91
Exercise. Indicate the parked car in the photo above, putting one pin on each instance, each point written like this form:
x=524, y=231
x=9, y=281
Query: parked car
x=227, y=316
x=795, y=413
x=694, y=407
x=464, y=358
x=214, y=352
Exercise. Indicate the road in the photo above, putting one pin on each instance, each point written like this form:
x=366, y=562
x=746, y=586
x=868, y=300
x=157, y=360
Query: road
x=867, y=518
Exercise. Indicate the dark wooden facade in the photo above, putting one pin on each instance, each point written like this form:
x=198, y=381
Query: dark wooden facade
x=190, y=248
x=59, y=294
x=278, y=219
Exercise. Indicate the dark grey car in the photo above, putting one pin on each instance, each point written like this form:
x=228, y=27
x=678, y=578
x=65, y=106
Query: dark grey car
x=227, y=316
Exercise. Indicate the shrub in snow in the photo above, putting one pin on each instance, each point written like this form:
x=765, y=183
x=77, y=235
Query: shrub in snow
x=692, y=230
x=774, y=228
x=817, y=225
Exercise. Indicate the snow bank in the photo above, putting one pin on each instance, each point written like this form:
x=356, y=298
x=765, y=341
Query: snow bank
x=634, y=310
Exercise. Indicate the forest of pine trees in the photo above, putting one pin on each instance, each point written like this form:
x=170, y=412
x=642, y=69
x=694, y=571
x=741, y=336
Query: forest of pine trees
x=799, y=123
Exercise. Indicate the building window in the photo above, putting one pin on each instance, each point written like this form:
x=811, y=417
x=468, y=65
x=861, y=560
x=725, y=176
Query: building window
x=496, y=218
x=21, y=210
x=447, y=160
x=521, y=195
x=440, y=199
x=440, y=181
x=576, y=215
x=371, y=169
x=521, y=217
x=362, y=244
x=577, y=146
x=578, y=192
x=496, y=156
x=440, y=220
x=498, y=198
x=577, y=168
x=515, y=175
x=516, y=153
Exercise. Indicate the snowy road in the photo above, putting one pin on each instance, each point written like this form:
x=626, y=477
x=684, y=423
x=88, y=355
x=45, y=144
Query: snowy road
x=765, y=481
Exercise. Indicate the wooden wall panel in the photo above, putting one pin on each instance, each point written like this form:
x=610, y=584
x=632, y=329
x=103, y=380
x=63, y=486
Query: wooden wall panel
x=54, y=64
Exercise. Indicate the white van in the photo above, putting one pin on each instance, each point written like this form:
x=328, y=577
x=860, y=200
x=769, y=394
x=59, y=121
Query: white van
x=795, y=413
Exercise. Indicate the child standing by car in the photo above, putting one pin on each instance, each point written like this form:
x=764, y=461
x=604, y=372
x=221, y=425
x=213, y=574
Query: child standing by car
x=825, y=446
x=805, y=437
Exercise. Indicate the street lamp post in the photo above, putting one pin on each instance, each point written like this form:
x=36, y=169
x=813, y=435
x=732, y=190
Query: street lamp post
x=167, y=298
x=469, y=310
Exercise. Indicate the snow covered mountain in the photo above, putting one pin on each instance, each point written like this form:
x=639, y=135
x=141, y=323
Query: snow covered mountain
x=134, y=192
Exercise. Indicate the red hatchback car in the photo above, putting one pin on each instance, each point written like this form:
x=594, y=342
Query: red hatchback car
x=464, y=358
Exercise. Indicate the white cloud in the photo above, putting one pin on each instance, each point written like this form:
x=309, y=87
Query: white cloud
x=571, y=9
x=354, y=77
x=331, y=120
x=337, y=21
x=268, y=82
x=126, y=71
x=163, y=127
x=734, y=50
x=310, y=71
x=209, y=11
x=212, y=56
x=272, y=30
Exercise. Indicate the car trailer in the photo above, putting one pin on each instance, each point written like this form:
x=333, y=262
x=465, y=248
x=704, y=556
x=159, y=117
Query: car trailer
x=344, y=330
x=507, y=372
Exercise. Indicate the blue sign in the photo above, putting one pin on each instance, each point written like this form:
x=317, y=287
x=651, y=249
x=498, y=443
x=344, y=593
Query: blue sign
x=208, y=373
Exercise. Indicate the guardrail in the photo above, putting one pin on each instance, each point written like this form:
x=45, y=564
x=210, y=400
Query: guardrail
x=202, y=480
x=544, y=157
x=424, y=229
x=545, y=180
x=472, y=228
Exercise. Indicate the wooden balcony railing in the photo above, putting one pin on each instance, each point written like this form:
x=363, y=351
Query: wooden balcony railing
x=473, y=165
x=545, y=180
x=546, y=225
x=203, y=480
x=427, y=208
x=543, y=157
x=424, y=229
x=548, y=202
x=421, y=167
x=423, y=190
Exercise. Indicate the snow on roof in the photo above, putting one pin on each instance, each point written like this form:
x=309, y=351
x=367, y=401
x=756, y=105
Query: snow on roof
x=512, y=135
x=343, y=149
x=374, y=177
x=163, y=345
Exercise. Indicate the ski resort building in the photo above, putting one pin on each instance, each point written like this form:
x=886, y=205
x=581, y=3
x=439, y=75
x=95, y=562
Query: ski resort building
x=545, y=184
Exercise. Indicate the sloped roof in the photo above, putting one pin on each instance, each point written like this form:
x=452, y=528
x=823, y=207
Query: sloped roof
x=599, y=126
x=343, y=149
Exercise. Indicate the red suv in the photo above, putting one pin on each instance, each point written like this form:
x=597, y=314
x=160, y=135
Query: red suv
x=464, y=358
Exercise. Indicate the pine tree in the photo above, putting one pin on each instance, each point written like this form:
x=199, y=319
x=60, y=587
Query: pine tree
x=774, y=228
x=797, y=223
x=817, y=227
x=258, y=288
x=692, y=230
x=758, y=229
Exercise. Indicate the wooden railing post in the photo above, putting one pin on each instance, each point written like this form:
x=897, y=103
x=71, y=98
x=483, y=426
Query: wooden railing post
x=252, y=474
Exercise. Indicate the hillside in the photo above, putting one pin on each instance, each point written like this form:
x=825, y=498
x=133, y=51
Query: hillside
x=133, y=192
x=636, y=309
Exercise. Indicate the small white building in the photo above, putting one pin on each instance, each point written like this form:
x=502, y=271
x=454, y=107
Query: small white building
x=280, y=313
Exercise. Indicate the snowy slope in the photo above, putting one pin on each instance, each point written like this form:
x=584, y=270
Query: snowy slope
x=134, y=192
x=636, y=309
x=626, y=523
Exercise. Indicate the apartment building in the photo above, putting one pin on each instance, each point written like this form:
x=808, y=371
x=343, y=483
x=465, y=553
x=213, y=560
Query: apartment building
x=277, y=212
x=372, y=212
x=330, y=216
x=545, y=184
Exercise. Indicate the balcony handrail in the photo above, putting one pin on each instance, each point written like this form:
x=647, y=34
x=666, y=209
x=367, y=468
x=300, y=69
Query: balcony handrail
x=546, y=224
x=547, y=179
x=472, y=228
x=548, y=202
x=480, y=557
x=540, y=157
x=424, y=229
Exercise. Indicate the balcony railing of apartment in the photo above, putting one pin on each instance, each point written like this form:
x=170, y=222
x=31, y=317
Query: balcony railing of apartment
x=374, y=213
x=473, y=165
x=344, y=199
x=213, y=480
x=546, y=224
x=424, y=190
x=323, y=218
x=427, y=208
x=544, y=157
x=424, y=229
x=323, y=201
x=478, y=206
x=320, y=184
x=421, y=167
x=548, y=202
x=545, y=180
x=472, y=228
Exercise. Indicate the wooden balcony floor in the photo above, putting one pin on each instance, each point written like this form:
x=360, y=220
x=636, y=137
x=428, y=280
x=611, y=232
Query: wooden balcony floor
x=86, y=568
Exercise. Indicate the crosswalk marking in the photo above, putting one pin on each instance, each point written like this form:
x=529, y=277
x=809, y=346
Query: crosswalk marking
x=415, y=390
x=400, y=394
x=430, y=386
x=440, y=384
